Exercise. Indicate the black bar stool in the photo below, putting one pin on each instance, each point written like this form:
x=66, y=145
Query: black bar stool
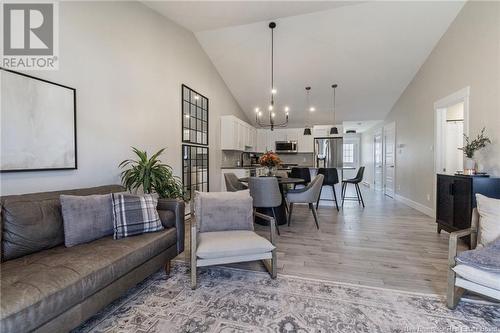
x=331, y=178
x=356, y=180
x=302, y=173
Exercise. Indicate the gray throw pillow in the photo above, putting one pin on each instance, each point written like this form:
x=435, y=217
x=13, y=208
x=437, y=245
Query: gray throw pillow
x=86, y=218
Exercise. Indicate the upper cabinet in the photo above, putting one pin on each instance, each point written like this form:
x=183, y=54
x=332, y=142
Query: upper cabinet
x=237, y=134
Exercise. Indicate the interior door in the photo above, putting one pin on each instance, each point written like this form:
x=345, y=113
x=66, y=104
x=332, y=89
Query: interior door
x=378, y=178
x=390, y=159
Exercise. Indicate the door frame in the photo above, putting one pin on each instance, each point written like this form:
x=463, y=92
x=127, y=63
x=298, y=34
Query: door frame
x=375, y=134
x=393, y=125
x=440, y=107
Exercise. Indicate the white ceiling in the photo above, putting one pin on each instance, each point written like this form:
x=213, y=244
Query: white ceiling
x=371, y=49
x=209, y=15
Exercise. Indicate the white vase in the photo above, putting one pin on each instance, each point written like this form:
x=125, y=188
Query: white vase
x=469, y=166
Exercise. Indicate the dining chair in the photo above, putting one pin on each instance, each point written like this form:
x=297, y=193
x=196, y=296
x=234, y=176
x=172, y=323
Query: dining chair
x=233, y=184
x=266, y=193
x=302, y=173
x=331, y=179
x=308, y=195
x=356, y=180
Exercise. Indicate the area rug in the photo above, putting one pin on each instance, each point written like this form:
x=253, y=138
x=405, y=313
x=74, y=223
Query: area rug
x=232, y=300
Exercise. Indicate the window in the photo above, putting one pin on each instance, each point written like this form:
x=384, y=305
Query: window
x=194, y=117
x=348, y=153
x=194, y=169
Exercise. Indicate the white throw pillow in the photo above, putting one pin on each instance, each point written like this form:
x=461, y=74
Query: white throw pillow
x=489, y=219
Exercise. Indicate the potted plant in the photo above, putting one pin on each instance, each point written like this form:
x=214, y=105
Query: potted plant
x=271, y=161
x=470, y=147
x=151, y=175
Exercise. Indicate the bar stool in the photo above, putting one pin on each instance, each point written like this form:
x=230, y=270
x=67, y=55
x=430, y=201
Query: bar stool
x=302, y=173
x=356, y=180
x=265, y=193
x=331, y=178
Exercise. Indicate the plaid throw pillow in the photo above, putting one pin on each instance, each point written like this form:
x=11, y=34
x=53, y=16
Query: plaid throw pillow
x=135, y=215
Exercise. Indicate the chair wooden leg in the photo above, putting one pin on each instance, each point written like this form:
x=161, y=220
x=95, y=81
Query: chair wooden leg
x=319, y=197
x=271, y=265
x=315, y=214
x=335, y=197
x=453, y=294
x=290, y=214
x=275, y=219
x=167, y=268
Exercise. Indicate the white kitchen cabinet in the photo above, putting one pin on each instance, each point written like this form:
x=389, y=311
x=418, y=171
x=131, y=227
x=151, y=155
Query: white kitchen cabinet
x=280, y=134
x=292, y=134
x=305, y=142
x=236, y=134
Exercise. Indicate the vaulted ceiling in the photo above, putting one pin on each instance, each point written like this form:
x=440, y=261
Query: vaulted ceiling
x=372, y=50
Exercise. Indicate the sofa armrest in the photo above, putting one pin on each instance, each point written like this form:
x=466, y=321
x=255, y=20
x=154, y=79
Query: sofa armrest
x=177, y=206
x=452, y=249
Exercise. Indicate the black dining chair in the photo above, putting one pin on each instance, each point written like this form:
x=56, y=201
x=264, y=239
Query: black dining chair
x=331, y=179
x=302, y=173
x=356, y=180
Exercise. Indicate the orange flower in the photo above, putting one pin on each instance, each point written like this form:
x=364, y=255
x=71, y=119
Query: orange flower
x=270, y=159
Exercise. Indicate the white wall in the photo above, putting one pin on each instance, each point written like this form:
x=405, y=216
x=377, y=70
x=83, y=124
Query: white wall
x=127, y=64
x=468, y=54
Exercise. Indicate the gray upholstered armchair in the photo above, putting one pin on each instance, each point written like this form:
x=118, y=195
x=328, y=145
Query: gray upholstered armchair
x=463, y=277
x=222, y=232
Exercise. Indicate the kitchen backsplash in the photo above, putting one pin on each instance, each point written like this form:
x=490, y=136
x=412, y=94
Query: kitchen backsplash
x=302, y=159
x=231, y=157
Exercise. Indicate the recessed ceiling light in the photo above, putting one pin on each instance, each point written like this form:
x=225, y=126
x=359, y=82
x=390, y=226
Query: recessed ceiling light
x=312, y=109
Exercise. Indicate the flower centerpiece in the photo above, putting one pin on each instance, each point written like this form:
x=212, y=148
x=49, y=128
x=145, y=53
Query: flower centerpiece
x=470, y=147
x=271, y=161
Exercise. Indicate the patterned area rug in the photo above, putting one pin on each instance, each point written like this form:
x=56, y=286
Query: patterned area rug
x=231, y=300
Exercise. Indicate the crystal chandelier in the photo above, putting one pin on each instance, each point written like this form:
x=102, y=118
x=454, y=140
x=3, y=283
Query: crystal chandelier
x=271, y=108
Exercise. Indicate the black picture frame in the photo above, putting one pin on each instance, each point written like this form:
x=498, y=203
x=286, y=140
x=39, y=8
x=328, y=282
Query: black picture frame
x=74, y=125
x=195, y=117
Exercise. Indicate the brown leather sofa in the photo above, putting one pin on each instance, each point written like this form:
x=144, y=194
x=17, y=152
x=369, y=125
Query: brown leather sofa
x=46, y=287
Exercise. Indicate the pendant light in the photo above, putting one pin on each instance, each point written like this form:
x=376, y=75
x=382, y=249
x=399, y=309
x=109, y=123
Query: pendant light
x=334, y=129
x=271, y=108
x=307, y=129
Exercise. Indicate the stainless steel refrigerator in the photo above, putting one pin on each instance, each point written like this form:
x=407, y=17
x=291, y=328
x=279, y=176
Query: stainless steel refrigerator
x=328, y=153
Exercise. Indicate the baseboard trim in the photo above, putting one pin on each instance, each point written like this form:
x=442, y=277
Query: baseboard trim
x=415, y=205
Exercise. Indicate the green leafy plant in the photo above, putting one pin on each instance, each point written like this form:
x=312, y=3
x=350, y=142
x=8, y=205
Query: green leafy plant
x=150, y=174
x=471, y=146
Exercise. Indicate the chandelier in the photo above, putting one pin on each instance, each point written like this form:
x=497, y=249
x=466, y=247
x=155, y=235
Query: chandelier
x=271, y=108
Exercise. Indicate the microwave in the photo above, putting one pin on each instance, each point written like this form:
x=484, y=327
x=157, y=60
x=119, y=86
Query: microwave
x=288, y=147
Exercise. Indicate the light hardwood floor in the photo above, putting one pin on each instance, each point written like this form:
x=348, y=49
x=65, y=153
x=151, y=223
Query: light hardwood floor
x=387, y=244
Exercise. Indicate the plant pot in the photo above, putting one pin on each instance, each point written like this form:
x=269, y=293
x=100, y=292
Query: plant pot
x=469, y=166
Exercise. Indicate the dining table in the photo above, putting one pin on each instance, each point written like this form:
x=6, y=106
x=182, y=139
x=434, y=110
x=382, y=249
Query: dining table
x=281, y=211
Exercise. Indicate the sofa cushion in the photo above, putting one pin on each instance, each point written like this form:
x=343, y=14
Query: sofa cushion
x=38, y=287
x=221, y=244
x=86, y=218
x=135, y=215
x=222, y=211
x=33, y=222
x=479, y=276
